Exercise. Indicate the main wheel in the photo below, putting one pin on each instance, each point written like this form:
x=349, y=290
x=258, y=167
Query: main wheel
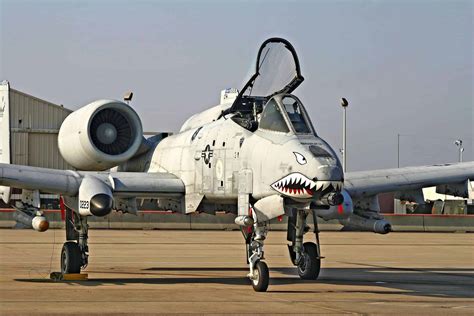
x=71, y=258
x=310, y=265
x=261, y=277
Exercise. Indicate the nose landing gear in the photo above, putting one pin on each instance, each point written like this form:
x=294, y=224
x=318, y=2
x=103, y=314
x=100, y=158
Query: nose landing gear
x=254, y=240
x=260, y=277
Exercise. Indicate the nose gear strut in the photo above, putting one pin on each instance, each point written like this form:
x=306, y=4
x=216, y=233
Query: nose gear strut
x=254, y=240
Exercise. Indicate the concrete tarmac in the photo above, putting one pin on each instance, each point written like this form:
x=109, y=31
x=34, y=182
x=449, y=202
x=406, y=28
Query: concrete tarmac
x=188, y=272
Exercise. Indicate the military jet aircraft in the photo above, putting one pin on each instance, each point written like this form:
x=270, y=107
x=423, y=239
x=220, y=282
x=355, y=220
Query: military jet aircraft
x=256, y=154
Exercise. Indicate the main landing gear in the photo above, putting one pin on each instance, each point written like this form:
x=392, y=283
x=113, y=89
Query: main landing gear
x=305, y=256
x=75, y=252
x=254, y=239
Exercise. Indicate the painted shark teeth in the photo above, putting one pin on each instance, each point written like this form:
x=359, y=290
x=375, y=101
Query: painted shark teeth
x=299, y=186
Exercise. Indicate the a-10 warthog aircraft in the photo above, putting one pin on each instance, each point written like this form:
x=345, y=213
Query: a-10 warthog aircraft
x=256, y=155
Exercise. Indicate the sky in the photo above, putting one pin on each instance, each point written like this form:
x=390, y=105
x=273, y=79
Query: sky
x=406, y=67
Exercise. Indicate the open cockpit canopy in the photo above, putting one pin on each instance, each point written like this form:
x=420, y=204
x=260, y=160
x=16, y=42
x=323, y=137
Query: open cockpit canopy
x=266, y=101
x=277, y=71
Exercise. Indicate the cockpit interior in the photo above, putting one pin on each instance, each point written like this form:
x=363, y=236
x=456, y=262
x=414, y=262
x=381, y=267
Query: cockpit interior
x=282, y=113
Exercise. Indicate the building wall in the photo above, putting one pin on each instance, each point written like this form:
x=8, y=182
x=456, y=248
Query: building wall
x=29, y=130
x=34, y=128
x=386, y=202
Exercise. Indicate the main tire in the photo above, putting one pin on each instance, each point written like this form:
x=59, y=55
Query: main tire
x=310, y=265
x=261, y=277
x=71, y=258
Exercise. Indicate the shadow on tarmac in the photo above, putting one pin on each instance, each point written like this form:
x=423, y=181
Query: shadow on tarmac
x=449, y=283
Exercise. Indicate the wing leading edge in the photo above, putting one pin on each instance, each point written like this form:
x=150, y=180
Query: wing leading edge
x=368, y=183
x=67, y=182
x=407, y=183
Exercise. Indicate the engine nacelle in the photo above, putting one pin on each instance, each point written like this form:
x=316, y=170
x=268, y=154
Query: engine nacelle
x=341, y=211
x=100, y=135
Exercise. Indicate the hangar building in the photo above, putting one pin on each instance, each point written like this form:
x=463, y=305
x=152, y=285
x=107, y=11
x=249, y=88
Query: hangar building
x=29, y=128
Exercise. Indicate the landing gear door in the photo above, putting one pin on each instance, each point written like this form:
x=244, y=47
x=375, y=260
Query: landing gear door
x=245, y=187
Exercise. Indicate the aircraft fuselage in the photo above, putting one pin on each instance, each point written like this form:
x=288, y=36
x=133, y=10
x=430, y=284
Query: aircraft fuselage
x=209, y=158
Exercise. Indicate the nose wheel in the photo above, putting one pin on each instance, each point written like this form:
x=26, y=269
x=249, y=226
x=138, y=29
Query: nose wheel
x=254, y=239
x=260, y=277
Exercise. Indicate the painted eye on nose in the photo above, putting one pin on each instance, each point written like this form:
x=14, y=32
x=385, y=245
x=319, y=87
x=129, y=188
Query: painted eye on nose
x=300, y=158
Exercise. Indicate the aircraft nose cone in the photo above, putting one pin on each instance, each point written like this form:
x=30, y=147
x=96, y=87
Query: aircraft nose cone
x=329, y=173
x=101, y=204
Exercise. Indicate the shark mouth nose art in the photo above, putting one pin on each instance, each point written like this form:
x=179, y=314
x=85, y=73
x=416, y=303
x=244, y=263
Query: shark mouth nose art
x=298, y=185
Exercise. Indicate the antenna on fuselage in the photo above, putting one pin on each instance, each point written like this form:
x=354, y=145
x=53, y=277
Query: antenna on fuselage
x=128, y=97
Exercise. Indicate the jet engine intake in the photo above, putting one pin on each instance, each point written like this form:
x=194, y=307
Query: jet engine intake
x=100, y=135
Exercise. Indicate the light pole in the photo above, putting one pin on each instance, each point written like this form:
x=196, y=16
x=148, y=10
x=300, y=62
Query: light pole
x=398, y=150
x=344, y=104
x=458, y=143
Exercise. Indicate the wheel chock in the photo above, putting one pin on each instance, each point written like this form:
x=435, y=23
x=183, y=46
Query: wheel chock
x=58, y=276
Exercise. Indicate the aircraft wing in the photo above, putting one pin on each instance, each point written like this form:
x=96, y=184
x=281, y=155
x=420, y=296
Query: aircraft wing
x=368, y=183
x=68, y=182
x=407, y=183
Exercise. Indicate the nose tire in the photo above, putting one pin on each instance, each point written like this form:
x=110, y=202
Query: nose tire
x=261, y=277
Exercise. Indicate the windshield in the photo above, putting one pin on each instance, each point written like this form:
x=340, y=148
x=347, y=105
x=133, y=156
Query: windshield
x=295, y=114
x=272, y=119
